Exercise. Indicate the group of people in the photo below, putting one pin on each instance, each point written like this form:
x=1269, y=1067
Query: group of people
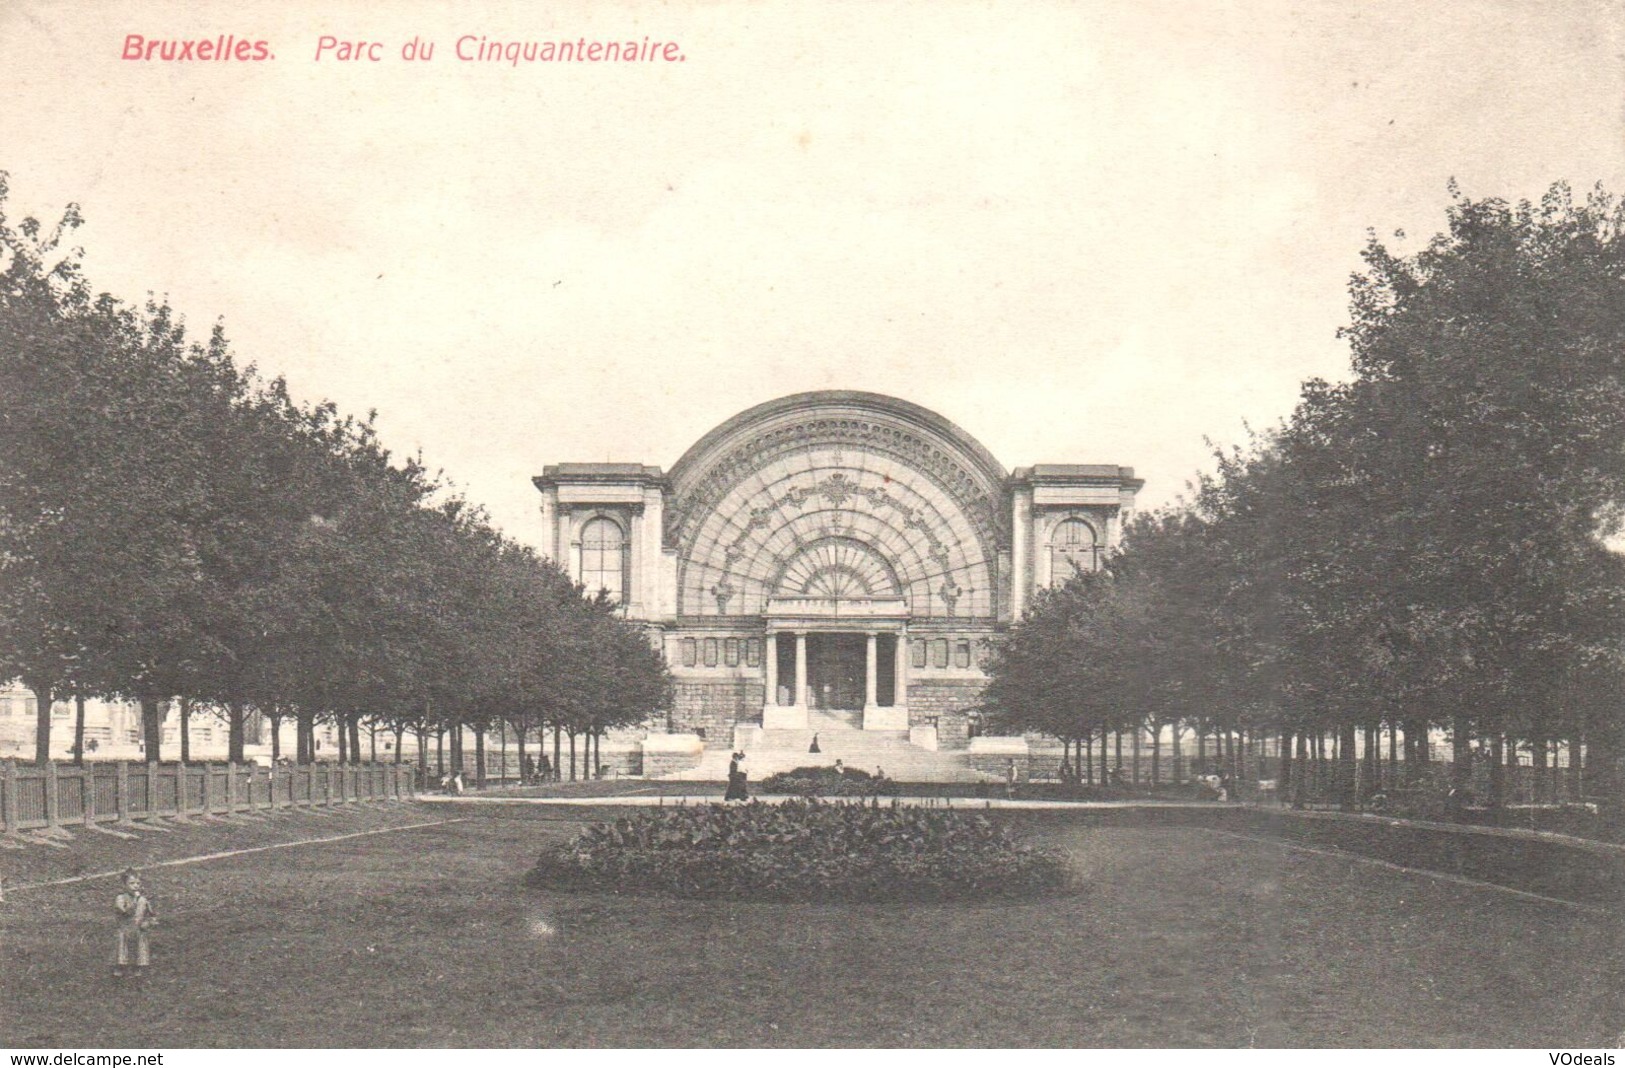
x=1069, y=774
x=534, y=772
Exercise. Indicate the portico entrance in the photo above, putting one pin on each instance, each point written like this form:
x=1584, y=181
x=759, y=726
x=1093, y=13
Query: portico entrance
x=835, y=672
x=854, y=674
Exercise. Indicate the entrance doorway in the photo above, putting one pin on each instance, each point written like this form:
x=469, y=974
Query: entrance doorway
x=837, y=665
x=835, y=670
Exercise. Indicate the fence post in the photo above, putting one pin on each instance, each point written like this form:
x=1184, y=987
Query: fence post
x=208, y=787
x=8, y=794
x=87, y=792
x=53, y=812
x=121, y=792
x=231, y=787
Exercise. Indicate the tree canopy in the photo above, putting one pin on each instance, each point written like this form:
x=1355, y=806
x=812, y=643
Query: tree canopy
x=173, y=526
x=1432, y=542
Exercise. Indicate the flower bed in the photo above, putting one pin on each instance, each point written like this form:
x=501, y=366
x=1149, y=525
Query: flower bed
x=803, y=851
x=827, y=782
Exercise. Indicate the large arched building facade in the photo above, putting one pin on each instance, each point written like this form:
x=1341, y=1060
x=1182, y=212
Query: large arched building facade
x=830, y=558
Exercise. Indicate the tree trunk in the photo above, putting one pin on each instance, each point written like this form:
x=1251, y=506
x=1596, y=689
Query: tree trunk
x=355, y=738
x=479, y=755
x=1134, y=751
x=344, y=742
x=305, y=724
x=1089, y=757
x=400, y=742
x=1393, y=752
x=1348, y=768
x=1370, y=759
x=519, y=729
x=152, y=729
x=276, y=733
x=1299, y=786
x=236, y=716
x=1461, y=768
x=79, y=729
x=1283, y=770
x=572, y=754
x=1156, y=754
x=186, y=730
x=558, y=770
x=1498, y=771
x=1417, y=730
x=42, y=722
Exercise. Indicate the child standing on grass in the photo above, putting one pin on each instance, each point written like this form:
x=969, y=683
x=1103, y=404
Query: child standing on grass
x=135, y=919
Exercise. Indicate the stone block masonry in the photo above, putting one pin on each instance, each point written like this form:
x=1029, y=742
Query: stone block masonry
x=947, y=703
x=714, y=706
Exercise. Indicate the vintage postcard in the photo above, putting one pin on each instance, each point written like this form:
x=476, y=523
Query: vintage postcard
x=741, y=525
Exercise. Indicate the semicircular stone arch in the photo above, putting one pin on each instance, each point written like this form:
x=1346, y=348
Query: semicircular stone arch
x=883, y=478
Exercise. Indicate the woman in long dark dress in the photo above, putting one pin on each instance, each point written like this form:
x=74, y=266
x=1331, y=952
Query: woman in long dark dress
x=736, y=780
x=813, y=748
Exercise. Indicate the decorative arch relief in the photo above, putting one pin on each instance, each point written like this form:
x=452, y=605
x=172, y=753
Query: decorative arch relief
x=890, y=526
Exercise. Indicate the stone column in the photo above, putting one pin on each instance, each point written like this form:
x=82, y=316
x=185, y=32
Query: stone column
x=632, y=567
x=869, y=671
x=800, y=696
x=770, y=661
x=1020, y=520
x=900, y=673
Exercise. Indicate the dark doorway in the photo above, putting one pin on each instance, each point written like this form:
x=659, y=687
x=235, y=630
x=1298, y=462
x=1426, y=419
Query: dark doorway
x=835, y=670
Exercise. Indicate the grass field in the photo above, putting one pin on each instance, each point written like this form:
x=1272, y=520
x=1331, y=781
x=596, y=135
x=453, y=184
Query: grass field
x=1179, y=937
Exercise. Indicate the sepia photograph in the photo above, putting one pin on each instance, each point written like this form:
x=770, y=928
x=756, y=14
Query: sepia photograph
x=751, y=525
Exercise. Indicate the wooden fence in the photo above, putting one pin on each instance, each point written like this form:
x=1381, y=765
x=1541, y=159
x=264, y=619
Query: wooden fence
x=62, y=795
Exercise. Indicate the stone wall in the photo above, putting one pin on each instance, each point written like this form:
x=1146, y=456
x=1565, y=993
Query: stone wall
x=947, y=702
x=714, y=706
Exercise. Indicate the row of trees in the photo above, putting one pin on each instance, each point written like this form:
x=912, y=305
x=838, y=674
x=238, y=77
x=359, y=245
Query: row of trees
x=172, y=526
x=1432, y=544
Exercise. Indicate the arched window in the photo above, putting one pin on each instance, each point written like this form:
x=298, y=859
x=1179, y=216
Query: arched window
x=1072, y=550
x=603, y=558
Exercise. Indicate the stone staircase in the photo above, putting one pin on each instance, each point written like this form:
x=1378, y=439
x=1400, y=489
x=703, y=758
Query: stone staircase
x=768, y=752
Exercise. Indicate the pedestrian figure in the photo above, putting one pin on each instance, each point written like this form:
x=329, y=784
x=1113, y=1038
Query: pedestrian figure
x=813, y=748
x=840, y=767
x=457, y=782
x=547, y=769
x=1066, y=770
x=736, y=780
x=529, y=768
x=135, y=918
x=1010, y=779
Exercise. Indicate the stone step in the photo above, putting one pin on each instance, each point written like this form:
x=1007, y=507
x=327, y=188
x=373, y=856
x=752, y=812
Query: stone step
x=785, y=750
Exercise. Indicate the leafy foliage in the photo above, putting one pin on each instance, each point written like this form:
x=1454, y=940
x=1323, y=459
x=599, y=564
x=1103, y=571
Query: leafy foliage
x=173, y=526
x=1432, y=543
x=803, y=851
x=826, y=782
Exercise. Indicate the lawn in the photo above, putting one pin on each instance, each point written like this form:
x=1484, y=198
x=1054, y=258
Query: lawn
x=1179, y=937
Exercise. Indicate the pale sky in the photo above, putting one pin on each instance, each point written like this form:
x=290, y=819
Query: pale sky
x=1084, y=232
